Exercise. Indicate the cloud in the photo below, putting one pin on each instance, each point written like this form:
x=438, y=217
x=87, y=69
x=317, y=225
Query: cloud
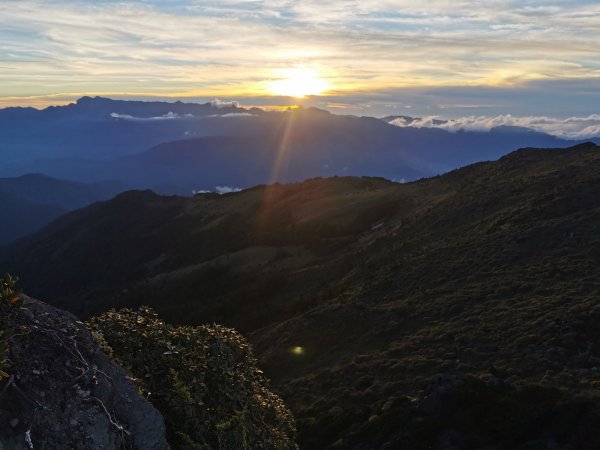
x=233, y=47
x=226, y=189
x=168, y=116
x=232, y=115
x=219, y=104
x=569, y=128
x=567, y=97
x=221, y=190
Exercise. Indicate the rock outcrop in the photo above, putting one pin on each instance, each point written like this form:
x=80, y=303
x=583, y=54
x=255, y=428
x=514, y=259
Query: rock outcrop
x=63, y=392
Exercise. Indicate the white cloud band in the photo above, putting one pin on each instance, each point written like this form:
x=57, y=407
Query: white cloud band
x=569, y=128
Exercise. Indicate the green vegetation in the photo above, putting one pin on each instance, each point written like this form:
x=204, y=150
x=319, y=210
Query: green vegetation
x=203, y=379
x=468, y=413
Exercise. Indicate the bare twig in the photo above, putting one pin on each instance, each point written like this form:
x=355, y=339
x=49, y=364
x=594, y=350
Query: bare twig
x=117, y=425
x=12, y=384
x=28, y=397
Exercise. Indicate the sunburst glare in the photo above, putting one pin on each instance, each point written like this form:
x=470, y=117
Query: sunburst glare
x=298, y=82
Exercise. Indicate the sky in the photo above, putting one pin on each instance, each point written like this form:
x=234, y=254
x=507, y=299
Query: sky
x=441, y=58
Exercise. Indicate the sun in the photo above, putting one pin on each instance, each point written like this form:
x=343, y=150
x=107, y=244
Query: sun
x=298, y=82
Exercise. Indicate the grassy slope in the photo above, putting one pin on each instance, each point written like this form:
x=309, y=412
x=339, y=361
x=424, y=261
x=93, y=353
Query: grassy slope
x=491, y=270
x=498, y=276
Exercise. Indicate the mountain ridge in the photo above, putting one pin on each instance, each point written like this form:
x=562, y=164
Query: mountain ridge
x=97, y=138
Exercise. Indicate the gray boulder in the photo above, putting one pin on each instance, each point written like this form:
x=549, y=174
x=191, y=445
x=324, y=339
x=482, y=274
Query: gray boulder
x=63, y=391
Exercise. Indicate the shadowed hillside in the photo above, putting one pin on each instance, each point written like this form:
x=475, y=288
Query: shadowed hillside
x=20, y=217
x=387, y=315
x=31, y=201
x=209, y=247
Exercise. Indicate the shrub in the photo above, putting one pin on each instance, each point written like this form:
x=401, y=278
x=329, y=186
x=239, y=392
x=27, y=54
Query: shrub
x=9, y=294
x=10, y=298
x=203, y=379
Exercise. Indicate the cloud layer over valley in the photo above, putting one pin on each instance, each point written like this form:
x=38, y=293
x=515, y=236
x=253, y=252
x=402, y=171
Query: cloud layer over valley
x=569, y=128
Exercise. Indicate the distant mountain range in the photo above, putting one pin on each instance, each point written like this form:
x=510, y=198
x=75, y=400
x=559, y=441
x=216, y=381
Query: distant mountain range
x=180, y=147
x=459, y=308
x=31, y=201
x=99, y=128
